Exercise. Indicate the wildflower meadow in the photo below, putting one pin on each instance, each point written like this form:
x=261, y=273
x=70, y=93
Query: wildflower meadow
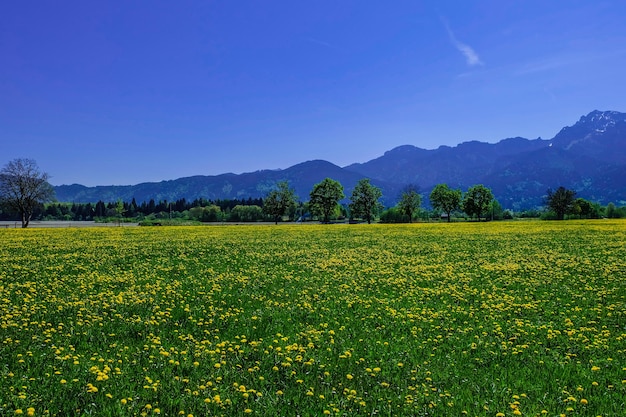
x=476, y=319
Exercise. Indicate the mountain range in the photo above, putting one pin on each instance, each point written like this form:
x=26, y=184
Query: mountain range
x=588, y=157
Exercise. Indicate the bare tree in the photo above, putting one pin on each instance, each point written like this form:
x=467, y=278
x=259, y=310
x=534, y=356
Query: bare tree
x=23, y=186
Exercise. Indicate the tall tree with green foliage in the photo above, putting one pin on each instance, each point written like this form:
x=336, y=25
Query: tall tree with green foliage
x=324, y=198
x=280, y=201
x=495, y=210
x=583, y=208
x=364, y=200
x=477, y=200
x=410, y=201
x=445, y=199
x=561, y=201
x=611, y=211
x=119, y=209
x=23, y=186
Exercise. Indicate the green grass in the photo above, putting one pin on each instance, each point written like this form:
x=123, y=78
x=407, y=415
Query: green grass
x=416, y=320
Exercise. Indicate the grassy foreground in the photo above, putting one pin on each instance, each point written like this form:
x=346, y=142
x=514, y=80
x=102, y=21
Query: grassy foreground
x=492, y=319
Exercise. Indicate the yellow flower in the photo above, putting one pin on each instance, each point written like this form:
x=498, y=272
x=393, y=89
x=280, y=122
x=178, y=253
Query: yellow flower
x=19, y=411
x=247, y=411
x=349, y=376
x=584, y=401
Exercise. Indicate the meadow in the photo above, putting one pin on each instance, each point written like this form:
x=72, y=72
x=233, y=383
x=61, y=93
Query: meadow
x=476, y=319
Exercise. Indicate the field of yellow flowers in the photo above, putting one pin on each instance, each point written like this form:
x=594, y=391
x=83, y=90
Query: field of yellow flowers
x=489, y=319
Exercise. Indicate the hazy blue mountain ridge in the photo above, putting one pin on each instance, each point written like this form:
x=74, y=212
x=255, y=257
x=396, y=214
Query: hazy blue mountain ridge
x=589, y=157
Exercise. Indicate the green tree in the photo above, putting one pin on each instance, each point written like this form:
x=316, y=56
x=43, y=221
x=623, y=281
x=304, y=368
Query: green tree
x=477, y=200
x=280, y=201
x=392, y=215
x=324, y=198
x=212, y=213
x=23, y=187
x=410, y=201
x=583, y=208
x=119, y=209
x=611, y=211
x=495, y=210
x=241, y=213
x=561, y=201
x=445, y=199
x=364, y=200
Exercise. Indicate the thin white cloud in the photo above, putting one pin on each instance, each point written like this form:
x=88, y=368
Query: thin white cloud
x=568, y=59
x=471, y=57
x=546, y=65
x=322, y=43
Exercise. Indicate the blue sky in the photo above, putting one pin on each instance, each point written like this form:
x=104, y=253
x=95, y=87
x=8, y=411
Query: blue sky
x=103, y=93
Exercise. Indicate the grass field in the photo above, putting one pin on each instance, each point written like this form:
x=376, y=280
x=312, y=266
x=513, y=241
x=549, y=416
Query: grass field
x=489, y=319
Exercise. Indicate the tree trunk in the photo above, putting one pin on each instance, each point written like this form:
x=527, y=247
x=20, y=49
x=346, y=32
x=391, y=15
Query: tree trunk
x=25, y=220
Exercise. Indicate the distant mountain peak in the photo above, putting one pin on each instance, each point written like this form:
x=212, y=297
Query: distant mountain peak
x=588, y=128
x=601, y=120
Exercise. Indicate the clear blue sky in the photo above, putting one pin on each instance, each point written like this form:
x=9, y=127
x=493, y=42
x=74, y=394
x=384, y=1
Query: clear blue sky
x=118, y=92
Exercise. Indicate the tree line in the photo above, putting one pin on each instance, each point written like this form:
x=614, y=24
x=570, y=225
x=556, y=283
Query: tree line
x=25, y=191
x=152, y=209
x=476, y=203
